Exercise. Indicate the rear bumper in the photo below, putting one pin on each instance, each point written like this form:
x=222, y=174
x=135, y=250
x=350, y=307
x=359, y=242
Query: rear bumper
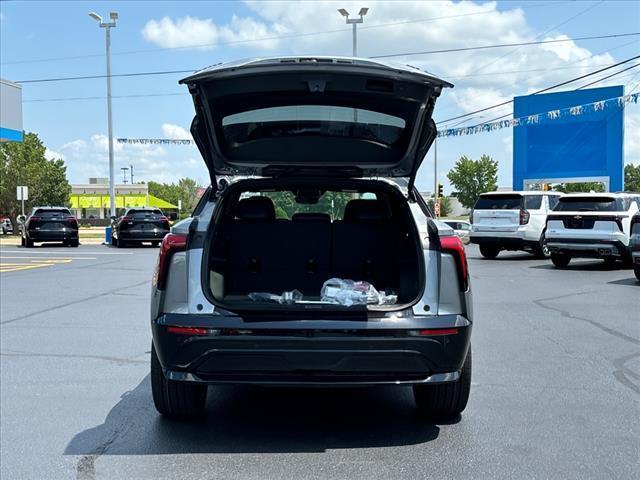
x=284, y=353
x=143, y=235
x=587, y=248
x=506, y=243
x=52, y=235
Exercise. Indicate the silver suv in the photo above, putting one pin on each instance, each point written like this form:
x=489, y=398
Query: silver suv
x=310, y=270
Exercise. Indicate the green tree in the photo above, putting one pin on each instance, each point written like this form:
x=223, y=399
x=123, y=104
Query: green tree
x=25, y=164
x=473, y=177
x=579, y=187
x=632, y=178
x=186, y=190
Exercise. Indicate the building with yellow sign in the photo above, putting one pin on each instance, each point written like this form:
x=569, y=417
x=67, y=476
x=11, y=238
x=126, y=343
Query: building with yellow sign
x=90, y=201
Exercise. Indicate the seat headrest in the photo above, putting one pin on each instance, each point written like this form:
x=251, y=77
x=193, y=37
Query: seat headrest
x=365, y=210
x=255, y=208
x=311, y=217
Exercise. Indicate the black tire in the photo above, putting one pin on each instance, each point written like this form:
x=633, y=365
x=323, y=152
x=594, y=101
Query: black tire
x=542, y=250
x=489, y=251
x=175, y=399
x=114, y=241
x=445, y=400
x=75, y=243
x=155, y=244
x=28, y=243
x=121, y=244
x=22, y=244
x=636, y=270
x=560, y=260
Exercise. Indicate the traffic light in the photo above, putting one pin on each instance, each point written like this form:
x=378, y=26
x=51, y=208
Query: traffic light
x=439, y=190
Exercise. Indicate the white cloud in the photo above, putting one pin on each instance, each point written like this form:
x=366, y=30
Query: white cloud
x=53, y=155
x=183, y=32
x=89, y=158
x=472, y=98
x=174, y=132
x=631, y=137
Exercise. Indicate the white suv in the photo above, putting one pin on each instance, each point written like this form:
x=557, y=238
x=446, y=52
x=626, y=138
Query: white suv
x=591, y=225
x=512, y=221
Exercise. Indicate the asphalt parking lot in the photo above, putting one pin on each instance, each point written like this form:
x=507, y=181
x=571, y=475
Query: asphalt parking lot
x=556, y=385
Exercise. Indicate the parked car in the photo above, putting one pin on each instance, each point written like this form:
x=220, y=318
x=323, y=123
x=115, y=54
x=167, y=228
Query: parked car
x=7, y=226
x=290, y=124
x=591, y=225
x=462, y=229
x=50, y=224
x=512, y=221
x=634, y=244
x=139, y=225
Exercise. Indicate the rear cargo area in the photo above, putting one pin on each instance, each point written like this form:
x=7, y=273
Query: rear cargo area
x=277, y=240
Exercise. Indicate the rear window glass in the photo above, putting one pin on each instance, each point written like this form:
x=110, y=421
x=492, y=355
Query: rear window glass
x=498, y=202
x=52, y=212
x=143, y=213
x=331, y=203
x=312, y=120
x=532, y=202
x=590, y=204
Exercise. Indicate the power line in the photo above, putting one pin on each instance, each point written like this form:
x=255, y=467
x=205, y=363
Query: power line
x=540, y=91
x=579, y=88
x=483, y=47
x=503, y=45
x=275, y=37
x=141, y=95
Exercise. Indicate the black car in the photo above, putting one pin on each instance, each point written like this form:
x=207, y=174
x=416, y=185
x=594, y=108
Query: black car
x=50, y=224
x=139, y=225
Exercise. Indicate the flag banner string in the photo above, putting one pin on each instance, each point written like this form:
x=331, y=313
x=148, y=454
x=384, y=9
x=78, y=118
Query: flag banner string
x=544, y=117
x=535, y=119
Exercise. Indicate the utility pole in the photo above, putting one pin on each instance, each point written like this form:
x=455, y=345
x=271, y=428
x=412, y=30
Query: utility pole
x=124, y=174
x=131, y=167
x=108, y=26
x=354, y=22
x=435, y=169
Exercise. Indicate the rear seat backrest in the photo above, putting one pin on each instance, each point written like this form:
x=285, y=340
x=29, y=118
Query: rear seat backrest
x=253, y=238
x=308, y=253
x=361, y=243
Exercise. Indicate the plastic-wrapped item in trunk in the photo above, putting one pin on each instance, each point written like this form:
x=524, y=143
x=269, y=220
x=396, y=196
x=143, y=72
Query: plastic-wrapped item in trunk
x=349, y=292
x=286, y=298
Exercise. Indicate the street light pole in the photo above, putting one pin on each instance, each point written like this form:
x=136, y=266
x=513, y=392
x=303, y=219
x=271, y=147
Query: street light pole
x=354, y=22
x=108, y=26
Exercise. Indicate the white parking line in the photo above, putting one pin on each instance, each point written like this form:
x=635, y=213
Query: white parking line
x=65, y=253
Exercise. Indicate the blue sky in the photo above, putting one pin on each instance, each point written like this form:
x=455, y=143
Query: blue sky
x=58, y=39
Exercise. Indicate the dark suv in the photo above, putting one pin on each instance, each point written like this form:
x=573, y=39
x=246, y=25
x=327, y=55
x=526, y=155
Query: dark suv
x=139, y=225
x=50, y=224
x=258, y=291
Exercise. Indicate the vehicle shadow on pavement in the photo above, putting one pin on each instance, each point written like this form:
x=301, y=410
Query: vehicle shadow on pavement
x=631, y=281
x=259, y=420
x=585, y=266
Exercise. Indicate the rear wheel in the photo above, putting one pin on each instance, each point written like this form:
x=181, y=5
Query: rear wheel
x=542, y=250
x=636, y=270
x=560, y=260
x=446, y=399
x=489, y=251
x=28, y=243
x=155, y=244
x=120, y=243
x=75, y=243
x=175, y=399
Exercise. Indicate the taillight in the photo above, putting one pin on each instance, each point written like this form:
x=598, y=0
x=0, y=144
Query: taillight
x=171, y=244
x=454, y=246
x=164, y=219
x=34, y=218
x=72, y=221
x=524, y=217
x=188, y=330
